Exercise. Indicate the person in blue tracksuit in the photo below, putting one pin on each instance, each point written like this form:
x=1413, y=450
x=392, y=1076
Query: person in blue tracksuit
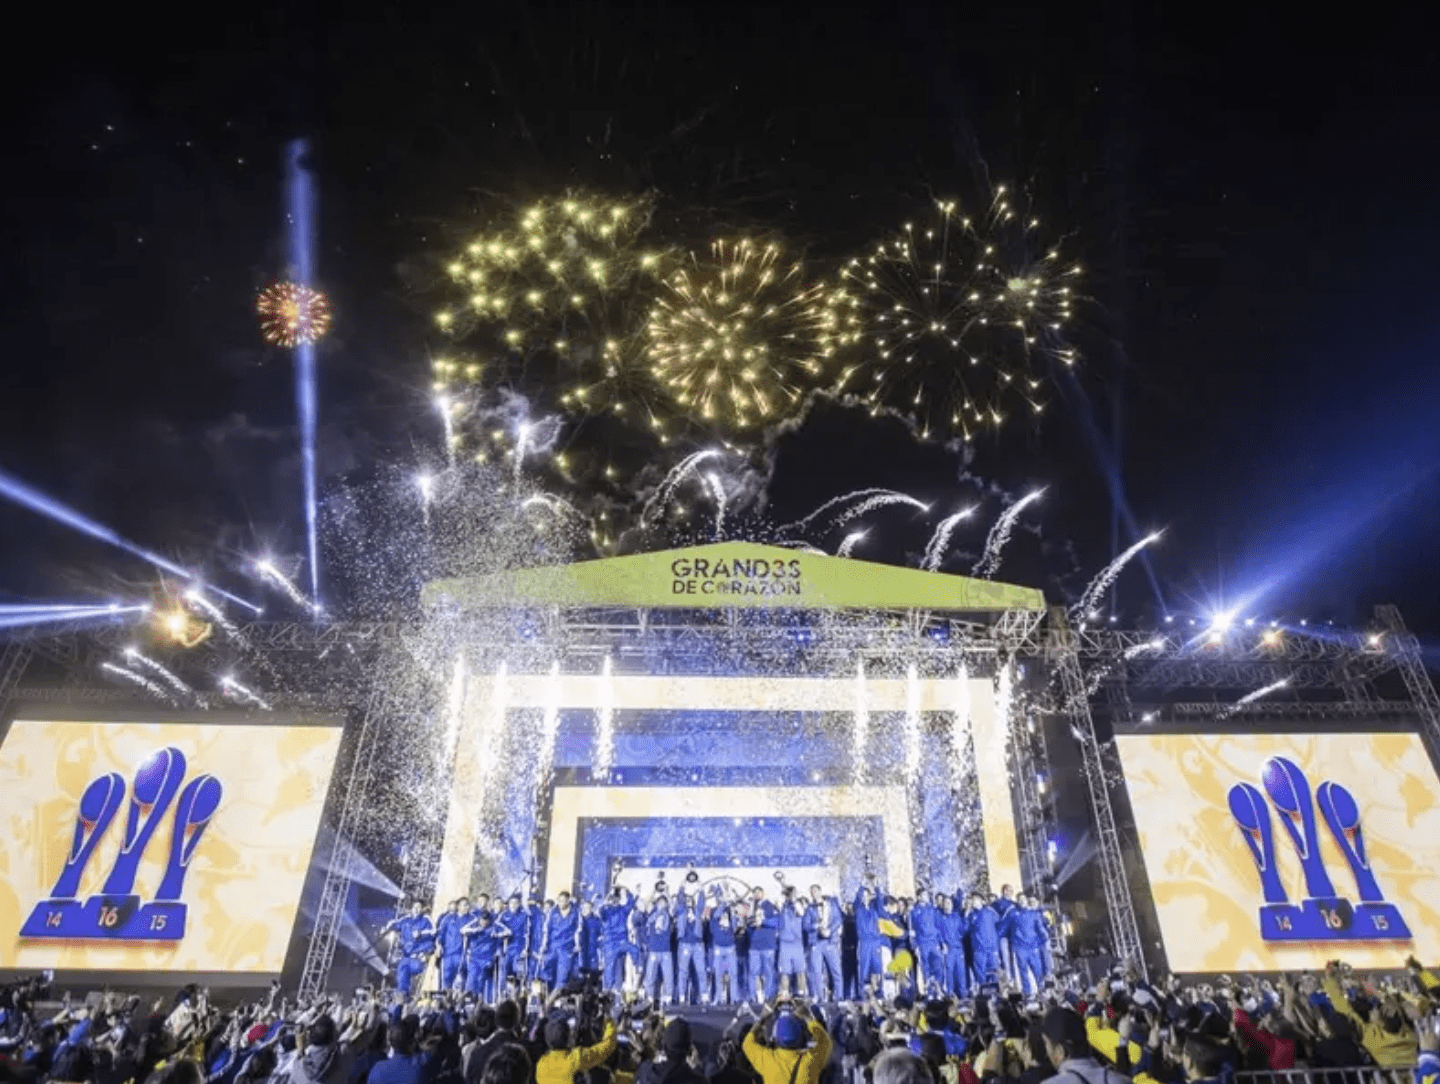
x=1004, y=904
x=690, y=950
x=542, y=965
x=589, y=936
x=925, y=934
x=562, y=935
x=824, y=929
x=615, y=944
x=659, y=962
x=869, y=966
x=952, y=946
x=513, y=928
x=452, y=943
x=983, y=926
x=482, y=947
x=764, y=927
x=417, y=945
x=791, y=954
x=1028, y=938
x=724, y=963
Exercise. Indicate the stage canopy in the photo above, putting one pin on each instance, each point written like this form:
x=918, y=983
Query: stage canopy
x=732, y=574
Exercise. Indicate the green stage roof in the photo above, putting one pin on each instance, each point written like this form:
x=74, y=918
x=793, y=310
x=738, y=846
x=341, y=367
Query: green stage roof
x=733, y=574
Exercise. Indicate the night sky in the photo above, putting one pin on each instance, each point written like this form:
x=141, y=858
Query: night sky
x=1252, y=195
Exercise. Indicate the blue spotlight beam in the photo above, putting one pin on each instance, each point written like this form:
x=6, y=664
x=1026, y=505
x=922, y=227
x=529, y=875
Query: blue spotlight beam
x=101, y=613
x=13, y=489
x=300, y=204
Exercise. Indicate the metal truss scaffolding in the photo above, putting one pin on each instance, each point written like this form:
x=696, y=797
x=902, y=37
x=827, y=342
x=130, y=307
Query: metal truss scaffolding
x=1065, y=659
x=339, y=875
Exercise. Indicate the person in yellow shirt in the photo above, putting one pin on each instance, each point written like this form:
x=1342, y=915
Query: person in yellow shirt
x=561, y=1061
x=1387, y=1034
x=801, y=1050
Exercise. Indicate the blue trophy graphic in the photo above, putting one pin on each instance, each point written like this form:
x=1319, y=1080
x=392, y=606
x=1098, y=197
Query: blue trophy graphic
x=117, y=912
x=1322, y=915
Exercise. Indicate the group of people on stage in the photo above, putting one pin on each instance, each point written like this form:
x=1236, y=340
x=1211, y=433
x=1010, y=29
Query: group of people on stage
x=701, y=947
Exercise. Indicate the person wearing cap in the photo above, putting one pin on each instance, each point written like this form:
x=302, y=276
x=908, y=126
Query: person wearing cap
x=983, y=934
x=482, y=943
x=588, y=941
x=956, y=981
x=800, y=1053
x=672, y=1066
x=1067, y=1043
x=868, y=938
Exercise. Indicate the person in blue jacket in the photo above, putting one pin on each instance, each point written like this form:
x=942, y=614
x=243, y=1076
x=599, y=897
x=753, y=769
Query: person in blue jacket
x=869, y=966
x=690, y=949
x=589, y=936
x=482, y=947
x=1004, y=904
x=791, y=965
x=542, y=965
x=764, y=926
x=615, y=944
x=452, y=943
x=926, y=937
x=659, y=962
x=1029, y=934
x=824, y=930
x=417, y=944
x=513, y=929
x=724, y=964
x=562, y=935
x=952, y=946
x=983, y=926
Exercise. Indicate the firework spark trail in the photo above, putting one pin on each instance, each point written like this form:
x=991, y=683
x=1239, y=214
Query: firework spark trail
x=1109, y=574
x=605, y=724
x=861, y=724
x=446, y=408
x=939, y=543
x=11, y=488
x=1134, y=651
x=802, y=547
x=853, y=539
x=554, y=503
x=999, y=535
x=521, y=439
x=267, y=569
x=550, y=723
x=831, y=503
x=717, y=494
x=912, y=724
x=880, y=500
x=1254, y=695
x=241, y=693
x=214, y=613
x=136, y=679
x=671, y=481
x=134, y=654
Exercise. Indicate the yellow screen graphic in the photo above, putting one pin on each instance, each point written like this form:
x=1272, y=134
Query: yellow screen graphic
x=240, y=880
x=1208, y=885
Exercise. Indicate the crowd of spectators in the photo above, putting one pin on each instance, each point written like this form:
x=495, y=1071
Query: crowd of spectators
x=1122, y=1028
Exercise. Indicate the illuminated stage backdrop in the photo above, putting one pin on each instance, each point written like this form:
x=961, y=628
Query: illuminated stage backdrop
x=1283, y=851
x=753, y=774
x=157, y=846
